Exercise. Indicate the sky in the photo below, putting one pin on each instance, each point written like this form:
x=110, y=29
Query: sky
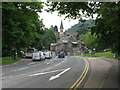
x=53, y=19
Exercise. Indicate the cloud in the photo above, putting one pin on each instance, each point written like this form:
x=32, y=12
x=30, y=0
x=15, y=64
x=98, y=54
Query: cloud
x=53, y=19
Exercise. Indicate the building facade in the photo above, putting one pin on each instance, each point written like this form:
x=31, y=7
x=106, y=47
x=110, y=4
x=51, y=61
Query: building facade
x=67, y=42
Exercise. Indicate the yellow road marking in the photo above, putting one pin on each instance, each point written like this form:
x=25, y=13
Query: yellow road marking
x=81, y=78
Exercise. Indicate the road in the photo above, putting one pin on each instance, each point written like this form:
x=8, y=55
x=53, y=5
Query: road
x=69, y=72
x=51, y=73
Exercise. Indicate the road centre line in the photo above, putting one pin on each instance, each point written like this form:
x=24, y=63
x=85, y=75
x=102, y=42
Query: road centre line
x=41, y=73
x=20, y=69
x=31, y=63
x=82, y=76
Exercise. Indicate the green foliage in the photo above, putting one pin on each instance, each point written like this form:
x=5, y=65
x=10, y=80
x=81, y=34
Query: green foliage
x=101, y=54
x=108, y=26
x=107, y=23
x=90, y=41
x=8, y=60
x=72, y=9
x=48, y=38
x=20, y=24
x=80, y=26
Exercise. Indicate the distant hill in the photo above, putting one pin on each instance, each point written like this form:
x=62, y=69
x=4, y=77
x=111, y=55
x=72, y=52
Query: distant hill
x=87, y=24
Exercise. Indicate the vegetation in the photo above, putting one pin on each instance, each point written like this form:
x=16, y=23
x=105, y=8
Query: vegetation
x=82, y=25
x=107, y=25
x=90, y=41
x=48, y=38
x=101, y=54
x=8, y=60
x=21, y=27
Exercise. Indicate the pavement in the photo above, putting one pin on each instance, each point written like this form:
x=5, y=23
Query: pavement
x=104, y=73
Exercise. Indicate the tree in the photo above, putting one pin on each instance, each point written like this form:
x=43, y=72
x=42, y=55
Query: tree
x=90, y=41
x=48, y=38
x=55, y=28
x=20, y=22
x=107, y=22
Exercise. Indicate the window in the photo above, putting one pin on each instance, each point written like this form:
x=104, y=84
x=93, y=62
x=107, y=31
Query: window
x=75, y=45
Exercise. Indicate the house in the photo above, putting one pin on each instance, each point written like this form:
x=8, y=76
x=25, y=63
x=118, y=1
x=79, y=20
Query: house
x=66, y=40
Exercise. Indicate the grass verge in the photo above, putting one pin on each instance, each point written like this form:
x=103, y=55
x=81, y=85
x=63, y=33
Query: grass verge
x=101, y=54
x=8, y=60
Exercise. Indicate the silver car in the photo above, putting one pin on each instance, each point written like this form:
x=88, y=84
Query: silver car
x=48, y=54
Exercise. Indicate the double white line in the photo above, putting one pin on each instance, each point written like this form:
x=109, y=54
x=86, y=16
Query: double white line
x=81, y=78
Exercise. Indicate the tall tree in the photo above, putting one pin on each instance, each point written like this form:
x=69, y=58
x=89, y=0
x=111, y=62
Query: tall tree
x=107, y=23
x=48, y=38
x=19, y=24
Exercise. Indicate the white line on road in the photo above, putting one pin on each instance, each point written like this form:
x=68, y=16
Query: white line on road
x=31, y=63
x=19, y=69
x=36, y=65
x=22, y=68
x=46, y=69
x=58, y=75
x=2, y=74
x=57, y=64
x=46, y=72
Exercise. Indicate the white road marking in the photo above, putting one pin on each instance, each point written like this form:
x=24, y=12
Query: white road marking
x=2, y=74
x=6, y=77
x=22, y=68
x=36, y=74
x=3, y=78
x=36, y=65
x=92, y=58
x=14, y=70
x=46, y=69
x=58, y=75
x=19, y=69
x=58, y=64
x=31, y=63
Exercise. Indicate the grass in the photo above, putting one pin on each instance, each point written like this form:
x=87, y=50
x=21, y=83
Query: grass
x=102, y=54
x=8, y=60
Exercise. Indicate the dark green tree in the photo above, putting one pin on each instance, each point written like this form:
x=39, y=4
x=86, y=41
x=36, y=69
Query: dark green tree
x=107, y=22
x=19, y=25
x=48, y=38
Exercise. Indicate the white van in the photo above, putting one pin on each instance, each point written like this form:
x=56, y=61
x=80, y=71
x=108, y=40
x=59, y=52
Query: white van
x=42, y=55
x=48, y=54
x=38, y=56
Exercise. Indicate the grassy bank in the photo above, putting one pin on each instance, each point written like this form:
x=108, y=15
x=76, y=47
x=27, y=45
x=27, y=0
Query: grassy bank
x=8, y=60
x=102, y=54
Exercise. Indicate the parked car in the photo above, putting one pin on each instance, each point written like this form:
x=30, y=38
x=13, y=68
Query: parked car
x=61, y=54
x=38, y=56
x=106, y=50
x=42, y=55
x=48, y=54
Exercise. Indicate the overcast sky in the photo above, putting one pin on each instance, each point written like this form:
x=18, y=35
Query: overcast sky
x=53, y=19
